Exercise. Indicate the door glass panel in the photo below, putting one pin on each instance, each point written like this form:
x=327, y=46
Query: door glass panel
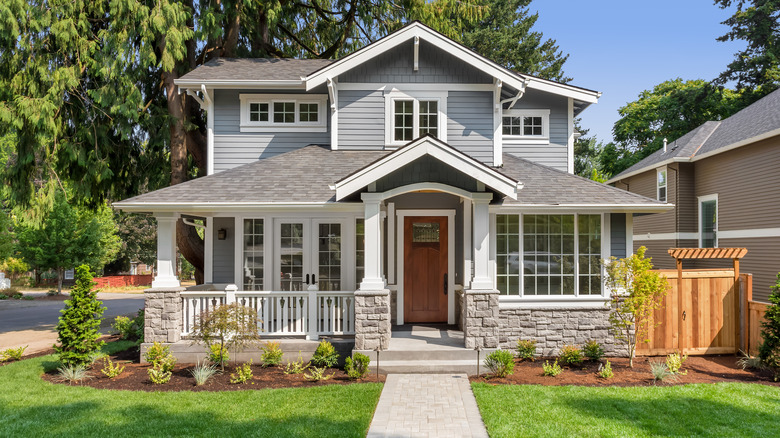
x=291, y=257
x=709, y=218
x=329, y=256
x=425, y=232
x=253, y=254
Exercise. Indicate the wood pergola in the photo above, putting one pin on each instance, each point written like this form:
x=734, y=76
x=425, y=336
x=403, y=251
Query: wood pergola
x=681, y=254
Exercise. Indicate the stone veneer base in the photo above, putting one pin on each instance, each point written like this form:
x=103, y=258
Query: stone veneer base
x=162, y=314
x=372, y=319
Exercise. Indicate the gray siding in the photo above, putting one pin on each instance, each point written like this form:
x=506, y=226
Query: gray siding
x=361, y=120
x=233, y=148
x=554, y=154
x=397, y=66
x=224, y=254
x=617, y=235
x=426, y=169
x=470, y=123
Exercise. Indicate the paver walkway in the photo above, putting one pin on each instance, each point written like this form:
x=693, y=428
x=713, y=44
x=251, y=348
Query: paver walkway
x=427, y=405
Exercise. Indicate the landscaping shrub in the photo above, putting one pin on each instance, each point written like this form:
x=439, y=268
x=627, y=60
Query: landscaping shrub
x=80, y=321
x=357, y=366
x=96, y=356
x=526, y=349
x=605, y=371
x=156, y=353
x=570, y=355
x=230, y=326
x=325, y=355
x=551, y=370
x=748, y=361
x=218, y=355
x=272, y=354
x=158, y=375
x=130, y=329
x=675, y=362
x=203, y=372
x=72, y=373
x=110, y=370
x=296, y=366
x=316, y=374
x=593, y=350
x=769, y=350
x=243, y=373
x=660, y=371
x=10, y=354
x=501, y=363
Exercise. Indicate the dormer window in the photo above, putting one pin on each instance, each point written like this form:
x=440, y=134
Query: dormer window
x=413, y=115
x=525, y=124
x=283, y=113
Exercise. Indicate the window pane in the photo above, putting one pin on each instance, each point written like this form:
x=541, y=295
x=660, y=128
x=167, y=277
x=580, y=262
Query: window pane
x=404, y=119
x=308, y=112
x=662, y=186
x=548, y=254
x=284, y=112
x=329, y=249
x=429, y=117
x=512, y=125
x=253, y=254
x=532, y=126
x=589, y=247
x=709, y=221
x=258, y=112
x=360, y=246
x=507, y=254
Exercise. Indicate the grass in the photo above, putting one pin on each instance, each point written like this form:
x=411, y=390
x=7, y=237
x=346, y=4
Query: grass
x=723, y=409
x=30, y=406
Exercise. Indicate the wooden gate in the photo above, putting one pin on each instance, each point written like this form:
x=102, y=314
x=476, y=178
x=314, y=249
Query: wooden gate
x=700, y=315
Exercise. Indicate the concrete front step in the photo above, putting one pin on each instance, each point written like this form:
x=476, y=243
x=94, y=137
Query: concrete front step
x=447, y=361
x=426, y=355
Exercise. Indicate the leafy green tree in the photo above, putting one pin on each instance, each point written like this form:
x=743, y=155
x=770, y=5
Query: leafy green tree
x=228, y=327
x=69, y=236
x=637, y=291
x=7, y=237
x=506, y=36
x=669, y=110
x=80, y=321
x=756, y=22
x=138, y=236
x=769, y=350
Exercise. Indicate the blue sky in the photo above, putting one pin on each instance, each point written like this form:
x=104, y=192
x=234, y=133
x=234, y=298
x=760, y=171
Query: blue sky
x=623, y=47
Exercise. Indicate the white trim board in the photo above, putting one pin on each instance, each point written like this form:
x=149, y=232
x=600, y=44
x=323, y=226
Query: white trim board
x=401, y=215
x=665, y=236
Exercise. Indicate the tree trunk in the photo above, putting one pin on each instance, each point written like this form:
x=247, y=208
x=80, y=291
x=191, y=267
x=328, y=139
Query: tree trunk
x=60, y=274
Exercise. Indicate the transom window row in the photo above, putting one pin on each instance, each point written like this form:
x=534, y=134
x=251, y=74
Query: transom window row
x=283, y=112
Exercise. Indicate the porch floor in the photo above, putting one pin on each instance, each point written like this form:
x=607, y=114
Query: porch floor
x=426, y=337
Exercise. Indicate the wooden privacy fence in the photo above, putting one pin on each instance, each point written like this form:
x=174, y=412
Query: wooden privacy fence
x=754, y=314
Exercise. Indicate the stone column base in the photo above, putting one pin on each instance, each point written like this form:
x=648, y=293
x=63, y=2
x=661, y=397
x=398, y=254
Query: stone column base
x=372, y=319
x=162, y=314
x=480, y=318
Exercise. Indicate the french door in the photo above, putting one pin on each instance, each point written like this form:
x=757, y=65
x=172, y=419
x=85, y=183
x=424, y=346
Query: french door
x=309, y=252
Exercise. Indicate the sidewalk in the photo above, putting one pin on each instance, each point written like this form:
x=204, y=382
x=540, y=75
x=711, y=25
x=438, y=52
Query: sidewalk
x=427, y=405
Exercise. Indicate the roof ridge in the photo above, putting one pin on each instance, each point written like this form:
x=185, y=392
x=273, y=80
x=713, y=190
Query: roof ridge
x=703, y=142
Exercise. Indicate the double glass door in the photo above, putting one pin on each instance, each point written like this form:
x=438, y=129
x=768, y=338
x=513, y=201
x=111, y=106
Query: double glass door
x=308, y=252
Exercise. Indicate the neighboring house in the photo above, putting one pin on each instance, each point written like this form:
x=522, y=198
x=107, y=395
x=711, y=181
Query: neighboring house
x=411, y=181
x=724, y=178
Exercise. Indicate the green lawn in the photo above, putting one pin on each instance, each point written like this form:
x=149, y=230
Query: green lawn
x=727, y=409
x=30, y=406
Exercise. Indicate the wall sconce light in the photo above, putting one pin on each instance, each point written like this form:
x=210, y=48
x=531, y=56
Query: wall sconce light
x=221, y=234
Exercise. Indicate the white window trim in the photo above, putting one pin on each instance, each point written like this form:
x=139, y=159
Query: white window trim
x=702, y=199
x=416, y=96
x=270, y=126
x=530, y=139
x=658, y=172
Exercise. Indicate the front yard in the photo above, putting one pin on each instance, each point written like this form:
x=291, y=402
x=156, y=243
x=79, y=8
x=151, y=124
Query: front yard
x=30, y=406
x=722, y=409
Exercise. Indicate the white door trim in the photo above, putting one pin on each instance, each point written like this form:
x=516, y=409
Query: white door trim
x=401, y=215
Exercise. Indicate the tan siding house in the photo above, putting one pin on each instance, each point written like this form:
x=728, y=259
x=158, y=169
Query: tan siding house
x=724, y=179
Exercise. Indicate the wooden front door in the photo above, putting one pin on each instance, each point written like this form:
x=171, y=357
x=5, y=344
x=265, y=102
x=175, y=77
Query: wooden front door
x=425, y=269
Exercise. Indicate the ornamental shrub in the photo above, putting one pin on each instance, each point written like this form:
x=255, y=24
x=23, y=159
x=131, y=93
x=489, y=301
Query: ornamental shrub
x=218, y=355
x=605, y=371
x=551, y=370
x=526, y=349
x=570, y=355
x=675, y=362
x=501, y=363
x=110, y=369
x=272, y=354
x=769, y=350
x=316, y=374
x=158, y=375
x=325, y=355
x=296, y=366
x=80, y=321
x=243, y=373
x=12, y=354
x=229, y=326
x=593, y=350
x=357, y=366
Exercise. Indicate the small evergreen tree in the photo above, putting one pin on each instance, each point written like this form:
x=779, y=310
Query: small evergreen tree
x=80, y=321
x=769, y=350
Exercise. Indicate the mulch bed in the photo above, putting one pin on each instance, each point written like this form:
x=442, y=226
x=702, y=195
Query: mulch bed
x=700, y=369
x=136, y=378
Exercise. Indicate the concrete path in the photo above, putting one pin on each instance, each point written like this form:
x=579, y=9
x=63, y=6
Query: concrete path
x=33, y=323
x=427, y=405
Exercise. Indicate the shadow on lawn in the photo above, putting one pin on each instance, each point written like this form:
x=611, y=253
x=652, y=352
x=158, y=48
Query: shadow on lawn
x=683, y=414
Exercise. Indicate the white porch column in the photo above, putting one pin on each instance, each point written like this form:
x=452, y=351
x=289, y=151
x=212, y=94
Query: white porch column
x=373, y=279
x=467, y=247
x=166, y=251
x=481, y=221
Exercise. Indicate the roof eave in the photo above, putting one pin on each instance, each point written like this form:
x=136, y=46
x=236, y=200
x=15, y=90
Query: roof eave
x=614, y=208
x=751, y=140
x=648, y=168
x=251, y=84
x=227, y=206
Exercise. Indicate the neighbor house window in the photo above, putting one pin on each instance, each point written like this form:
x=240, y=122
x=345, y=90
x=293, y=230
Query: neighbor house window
x=253, y=254
x=661, y=185
x=413, y=115
x=560, y=255
x=708, y=221
x=526, y=123
x=282, y=113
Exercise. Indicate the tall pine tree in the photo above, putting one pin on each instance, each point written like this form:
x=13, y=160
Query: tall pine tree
x=80, y=321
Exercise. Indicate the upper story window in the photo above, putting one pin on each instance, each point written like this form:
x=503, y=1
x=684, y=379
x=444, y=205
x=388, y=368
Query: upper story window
x=283, y=113
x=413, y=115
x=661, y=184
x=708, y=221
x=525, y=124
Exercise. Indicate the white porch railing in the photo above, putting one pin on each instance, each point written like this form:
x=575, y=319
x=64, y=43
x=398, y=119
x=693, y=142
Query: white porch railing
x=310, y=314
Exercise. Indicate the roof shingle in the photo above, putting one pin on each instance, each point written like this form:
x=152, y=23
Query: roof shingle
x=255, y=69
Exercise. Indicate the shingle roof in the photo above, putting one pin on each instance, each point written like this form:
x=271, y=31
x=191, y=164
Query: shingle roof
x=548, y=186
x=256, y=69
x=304, y=175
x=761, y=117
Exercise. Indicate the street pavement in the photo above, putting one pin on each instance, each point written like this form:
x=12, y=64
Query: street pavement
x=33, y=323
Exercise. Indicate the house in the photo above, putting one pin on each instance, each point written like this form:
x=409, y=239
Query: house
x=413, y=181
x=723, y=179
